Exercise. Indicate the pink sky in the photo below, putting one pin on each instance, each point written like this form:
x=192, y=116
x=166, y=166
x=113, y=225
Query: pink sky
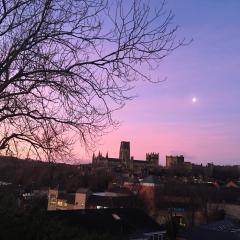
x=163, y=118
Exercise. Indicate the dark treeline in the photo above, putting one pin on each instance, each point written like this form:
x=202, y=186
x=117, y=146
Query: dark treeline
x=216, y=172
x=37, y=174
x=36, y=224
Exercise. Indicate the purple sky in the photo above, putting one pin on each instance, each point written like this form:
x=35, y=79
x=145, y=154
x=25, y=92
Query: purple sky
x=163, y=117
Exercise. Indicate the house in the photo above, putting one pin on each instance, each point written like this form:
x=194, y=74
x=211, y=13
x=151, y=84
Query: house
x=83, y=198
x=61, y=200
x=146, y=190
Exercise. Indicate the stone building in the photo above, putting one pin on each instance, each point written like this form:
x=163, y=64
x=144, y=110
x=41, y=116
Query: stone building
x=152, y=158
x=124, y=153
x=125, y=161
x=174, y=161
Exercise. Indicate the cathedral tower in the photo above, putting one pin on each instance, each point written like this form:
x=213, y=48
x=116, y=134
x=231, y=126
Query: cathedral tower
x=124, y=153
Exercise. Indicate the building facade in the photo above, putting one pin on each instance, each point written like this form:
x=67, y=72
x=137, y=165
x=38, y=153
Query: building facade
x=174, y=161
x=125, y=161
x=124, y=153
x=60, y=200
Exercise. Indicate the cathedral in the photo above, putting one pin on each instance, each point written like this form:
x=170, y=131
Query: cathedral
x=125, y=160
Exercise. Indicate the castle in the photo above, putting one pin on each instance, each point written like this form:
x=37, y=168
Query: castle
x=174, y=161
x=125, y=160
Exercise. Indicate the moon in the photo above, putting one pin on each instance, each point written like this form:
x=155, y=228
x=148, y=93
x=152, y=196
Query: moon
x=194, y=100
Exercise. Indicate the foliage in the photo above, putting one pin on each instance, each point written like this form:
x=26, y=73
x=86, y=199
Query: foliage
x=36, y=225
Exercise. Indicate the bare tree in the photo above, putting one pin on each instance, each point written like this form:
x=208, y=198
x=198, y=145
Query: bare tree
x=65, y=65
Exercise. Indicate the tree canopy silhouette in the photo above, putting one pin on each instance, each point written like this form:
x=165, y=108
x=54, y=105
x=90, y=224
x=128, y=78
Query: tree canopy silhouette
x=66, y=65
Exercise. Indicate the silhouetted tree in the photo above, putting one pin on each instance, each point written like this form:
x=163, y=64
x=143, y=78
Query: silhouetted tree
x=65, y=65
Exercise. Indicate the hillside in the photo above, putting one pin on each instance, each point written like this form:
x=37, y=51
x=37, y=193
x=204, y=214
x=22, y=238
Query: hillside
x=37, y=174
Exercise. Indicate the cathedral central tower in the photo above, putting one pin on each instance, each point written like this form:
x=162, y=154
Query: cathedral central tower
x=124, y=153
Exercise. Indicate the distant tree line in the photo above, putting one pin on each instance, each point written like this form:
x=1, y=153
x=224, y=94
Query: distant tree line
x=36, y=174
x=221, y=173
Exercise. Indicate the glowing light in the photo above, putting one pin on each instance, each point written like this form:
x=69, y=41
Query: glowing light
x=194, y=100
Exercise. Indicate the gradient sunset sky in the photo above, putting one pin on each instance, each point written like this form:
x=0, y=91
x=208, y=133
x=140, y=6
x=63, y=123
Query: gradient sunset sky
x=163, y=117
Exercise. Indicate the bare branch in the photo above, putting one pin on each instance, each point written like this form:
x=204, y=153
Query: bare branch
x=65, y=66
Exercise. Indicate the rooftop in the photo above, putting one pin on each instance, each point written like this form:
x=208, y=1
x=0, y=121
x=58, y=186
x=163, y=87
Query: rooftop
x=220, y=230
x=119, y=222
x=110, y=194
